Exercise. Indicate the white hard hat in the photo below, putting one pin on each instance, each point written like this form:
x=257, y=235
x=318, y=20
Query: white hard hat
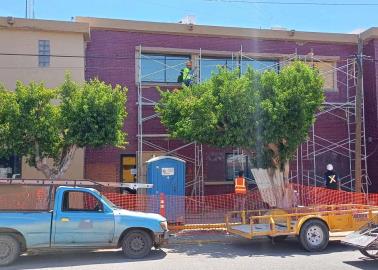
x=330, y=167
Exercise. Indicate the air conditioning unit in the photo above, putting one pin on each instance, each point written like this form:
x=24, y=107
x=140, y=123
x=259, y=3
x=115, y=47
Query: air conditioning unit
x=190, y=19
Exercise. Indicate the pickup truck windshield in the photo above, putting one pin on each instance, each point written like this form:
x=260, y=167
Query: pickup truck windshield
x=108, y=202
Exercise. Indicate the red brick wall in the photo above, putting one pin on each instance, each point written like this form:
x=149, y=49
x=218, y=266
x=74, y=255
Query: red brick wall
x=371, y=111
x=116, y=65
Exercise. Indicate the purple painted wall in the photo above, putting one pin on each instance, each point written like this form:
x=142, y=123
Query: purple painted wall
x=371, y=118
x=111, y=57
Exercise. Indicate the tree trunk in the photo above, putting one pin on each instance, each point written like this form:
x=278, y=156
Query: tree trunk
x=41, y=163
x=273, y=183
x=274, y=187
x=54, y=171
x=57, y=170
x=65, y=161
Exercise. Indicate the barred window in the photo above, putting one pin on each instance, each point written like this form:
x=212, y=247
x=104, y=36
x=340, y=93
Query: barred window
x=236, y=163
x=44, y=53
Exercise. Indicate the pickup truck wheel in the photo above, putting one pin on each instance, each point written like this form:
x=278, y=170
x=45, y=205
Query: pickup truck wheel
x=314, y=235
x=9, y=249
x=136, y=244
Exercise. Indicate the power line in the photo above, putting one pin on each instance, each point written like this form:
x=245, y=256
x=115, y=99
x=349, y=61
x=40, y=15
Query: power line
x=106, y=57
x=294, y=3
x=63, y=56
x=48, y=68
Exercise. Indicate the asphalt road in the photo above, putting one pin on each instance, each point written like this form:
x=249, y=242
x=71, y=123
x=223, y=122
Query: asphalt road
x=240, y=254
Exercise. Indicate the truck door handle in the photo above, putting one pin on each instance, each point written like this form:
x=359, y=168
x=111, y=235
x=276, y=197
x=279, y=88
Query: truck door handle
x=64, y=219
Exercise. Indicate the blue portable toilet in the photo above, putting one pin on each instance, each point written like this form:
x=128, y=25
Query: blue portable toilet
x=167, y=174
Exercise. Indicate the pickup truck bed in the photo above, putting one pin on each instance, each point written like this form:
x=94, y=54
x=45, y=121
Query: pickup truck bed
x=36, y=224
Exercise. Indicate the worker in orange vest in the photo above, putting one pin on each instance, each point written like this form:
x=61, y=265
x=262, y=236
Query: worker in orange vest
x=240, y=191
x=240, y=184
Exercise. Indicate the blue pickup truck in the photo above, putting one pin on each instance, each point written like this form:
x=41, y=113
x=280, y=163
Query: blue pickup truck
x=81, y=218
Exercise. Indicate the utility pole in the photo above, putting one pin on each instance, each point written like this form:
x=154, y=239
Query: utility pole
x=29, y=9
x=359, y=89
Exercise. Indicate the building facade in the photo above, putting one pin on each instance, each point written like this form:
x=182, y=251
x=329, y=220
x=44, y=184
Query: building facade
x=144, y=55
x=41, y=51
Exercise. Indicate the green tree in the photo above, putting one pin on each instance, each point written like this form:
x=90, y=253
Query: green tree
x=46, y=126
x=266, y=114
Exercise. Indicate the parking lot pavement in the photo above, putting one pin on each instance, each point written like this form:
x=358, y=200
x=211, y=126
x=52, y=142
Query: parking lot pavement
x=239, y=253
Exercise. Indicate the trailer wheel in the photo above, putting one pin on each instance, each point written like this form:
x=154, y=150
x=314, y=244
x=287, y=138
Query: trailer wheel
x=9, y=249
x=314, y=235
x=136, y=244
x=371, y=252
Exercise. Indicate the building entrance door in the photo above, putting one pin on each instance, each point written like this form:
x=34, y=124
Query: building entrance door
x=128, y=168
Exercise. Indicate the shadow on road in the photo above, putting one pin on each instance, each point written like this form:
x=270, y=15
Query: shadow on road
x=42, y=261
x=364, y=263
x=254, y=248
x=234, y=249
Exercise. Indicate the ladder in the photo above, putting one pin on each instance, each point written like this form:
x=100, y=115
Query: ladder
x=82, y=182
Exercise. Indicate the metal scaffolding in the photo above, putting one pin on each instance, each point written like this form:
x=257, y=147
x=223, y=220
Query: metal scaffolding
x=322, y=146
x=161, y=141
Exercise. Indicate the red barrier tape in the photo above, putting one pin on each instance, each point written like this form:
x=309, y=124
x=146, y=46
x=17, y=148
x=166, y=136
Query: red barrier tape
x=188, y=209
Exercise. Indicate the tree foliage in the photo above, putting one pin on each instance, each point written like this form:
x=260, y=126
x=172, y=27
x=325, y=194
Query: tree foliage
x=40, y=123
x=267, y=114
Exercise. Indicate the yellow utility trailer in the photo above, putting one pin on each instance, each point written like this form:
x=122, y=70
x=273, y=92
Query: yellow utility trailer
x=311, y=225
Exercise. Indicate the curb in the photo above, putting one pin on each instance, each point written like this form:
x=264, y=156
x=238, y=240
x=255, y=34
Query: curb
x=198, y=242
x=225, y=239
x=202, y=237
x=215, y=226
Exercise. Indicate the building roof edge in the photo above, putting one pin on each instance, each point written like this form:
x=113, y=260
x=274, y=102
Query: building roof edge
x=223, y=31
x=45, y=25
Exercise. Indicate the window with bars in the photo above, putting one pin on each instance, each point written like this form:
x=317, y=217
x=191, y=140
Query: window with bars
x=236, y=163
x=44, y=53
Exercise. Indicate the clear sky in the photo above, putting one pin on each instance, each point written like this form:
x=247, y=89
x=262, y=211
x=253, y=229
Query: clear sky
x=242, y=13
